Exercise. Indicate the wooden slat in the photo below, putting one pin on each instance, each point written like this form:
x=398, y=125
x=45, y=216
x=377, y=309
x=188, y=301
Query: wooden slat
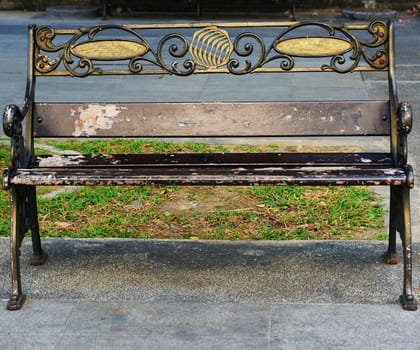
x=213, y=169
x=209, y=176
x=215, y=159
x=334, y=118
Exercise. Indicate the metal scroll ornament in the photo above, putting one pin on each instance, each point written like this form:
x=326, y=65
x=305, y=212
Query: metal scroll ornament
x=192, y=49
x=211, y=47
x=79, y=57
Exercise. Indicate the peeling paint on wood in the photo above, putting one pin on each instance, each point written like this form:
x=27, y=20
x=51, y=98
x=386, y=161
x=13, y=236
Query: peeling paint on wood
x=212, y=119
x=94, y=117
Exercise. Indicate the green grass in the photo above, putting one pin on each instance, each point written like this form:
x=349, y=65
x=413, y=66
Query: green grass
x=339, y=211
x=118, y=146
x=4, y=196
x=224, y=213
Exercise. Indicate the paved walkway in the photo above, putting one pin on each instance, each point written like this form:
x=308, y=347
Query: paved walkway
x=134, y=294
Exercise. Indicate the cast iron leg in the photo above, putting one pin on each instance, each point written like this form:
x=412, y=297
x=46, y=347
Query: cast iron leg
x=18, y=298
x=293, y=5
x=39, y=256
x=390, y=257
x=407, y=299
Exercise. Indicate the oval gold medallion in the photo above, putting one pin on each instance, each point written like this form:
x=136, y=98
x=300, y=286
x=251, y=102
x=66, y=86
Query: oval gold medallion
x=313, y=47
x=109, y=50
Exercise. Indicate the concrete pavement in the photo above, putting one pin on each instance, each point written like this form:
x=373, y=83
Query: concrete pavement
x=135, y=294
x=142, y=294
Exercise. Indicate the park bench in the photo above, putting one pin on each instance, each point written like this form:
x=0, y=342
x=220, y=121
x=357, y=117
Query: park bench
x=202, y=7
x=230, y=50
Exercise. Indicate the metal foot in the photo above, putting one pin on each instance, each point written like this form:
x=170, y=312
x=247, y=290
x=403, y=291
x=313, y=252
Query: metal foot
x=16, y=302
x=38, y=260
x=390, y=258
x=408, y=302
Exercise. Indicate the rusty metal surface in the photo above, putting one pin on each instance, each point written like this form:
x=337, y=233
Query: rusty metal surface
x=338, y=118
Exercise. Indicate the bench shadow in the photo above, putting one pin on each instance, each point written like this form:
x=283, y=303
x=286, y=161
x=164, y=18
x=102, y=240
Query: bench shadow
x=213, y=271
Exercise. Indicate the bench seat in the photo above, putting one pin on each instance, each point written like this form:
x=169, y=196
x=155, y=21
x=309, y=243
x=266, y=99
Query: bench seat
x=213, y=169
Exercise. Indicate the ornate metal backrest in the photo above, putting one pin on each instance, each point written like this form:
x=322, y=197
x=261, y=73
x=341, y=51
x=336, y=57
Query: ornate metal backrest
x=206, y=48
x=185, y=49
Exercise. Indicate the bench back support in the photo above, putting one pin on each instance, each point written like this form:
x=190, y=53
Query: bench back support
x=211, y=48
x=268, y=119
x=202, y=48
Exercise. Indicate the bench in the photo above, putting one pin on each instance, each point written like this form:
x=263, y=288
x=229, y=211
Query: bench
x=186, y=5
x=231, y=50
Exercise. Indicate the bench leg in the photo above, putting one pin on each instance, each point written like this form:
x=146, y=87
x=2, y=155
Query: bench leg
x=39, y=256
x=16, y=236
x=400, y=220
x=23, y=218
x=390, y=257
x=407, y=299
x=293, y=10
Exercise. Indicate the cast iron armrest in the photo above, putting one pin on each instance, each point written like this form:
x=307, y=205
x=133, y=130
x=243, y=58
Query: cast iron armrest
x=404, y=126
x=12, y=127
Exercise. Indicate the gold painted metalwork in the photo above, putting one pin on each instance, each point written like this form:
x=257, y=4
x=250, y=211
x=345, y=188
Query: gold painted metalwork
x=313, y=47
x=237, y=48
x=211, y=47
x=109, y=50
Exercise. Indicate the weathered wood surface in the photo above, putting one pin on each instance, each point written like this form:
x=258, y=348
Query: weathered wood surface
x=213, y=169
x=215, y=160
x=338, y=118
x=209, y=176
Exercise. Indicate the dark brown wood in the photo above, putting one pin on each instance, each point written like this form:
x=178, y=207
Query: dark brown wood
x=208, y=175
x=213, y=169
x=337, y=118
x=215, y=159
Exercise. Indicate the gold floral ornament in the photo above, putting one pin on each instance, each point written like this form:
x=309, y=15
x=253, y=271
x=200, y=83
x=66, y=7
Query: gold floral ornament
x=43, y=62
x=211, y=47
x=379, y=33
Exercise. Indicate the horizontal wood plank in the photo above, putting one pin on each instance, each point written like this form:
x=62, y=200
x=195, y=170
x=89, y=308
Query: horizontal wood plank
x=330, y=118
x=233, y=175
x=213, y=169
x=215, y=160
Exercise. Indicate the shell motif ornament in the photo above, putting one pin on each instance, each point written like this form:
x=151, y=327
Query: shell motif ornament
x=211, y=47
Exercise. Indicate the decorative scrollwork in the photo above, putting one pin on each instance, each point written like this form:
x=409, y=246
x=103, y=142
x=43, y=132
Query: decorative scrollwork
x=12, y=127
x=379, y=38
x=12, y=121
x=212, y=48
x=405, y=118
x=247, y=49
x=178, y=48
x=325, y=43
x=404, y=125
x=79, y=57
x=379, y=31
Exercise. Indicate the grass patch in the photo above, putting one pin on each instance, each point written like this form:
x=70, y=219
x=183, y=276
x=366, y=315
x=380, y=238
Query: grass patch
x=204, y=212
x=4, y=195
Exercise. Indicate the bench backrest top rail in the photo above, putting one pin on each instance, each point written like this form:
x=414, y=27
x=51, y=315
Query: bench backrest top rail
x=185, y=49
